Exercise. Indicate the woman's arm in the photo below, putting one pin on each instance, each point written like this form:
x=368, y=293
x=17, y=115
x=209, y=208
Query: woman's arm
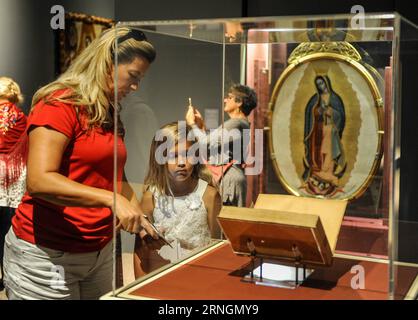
x=46, y=147
x=230, y=132
x=128, y=192
x=147, y=206
x=213, y=204
x=209, y=142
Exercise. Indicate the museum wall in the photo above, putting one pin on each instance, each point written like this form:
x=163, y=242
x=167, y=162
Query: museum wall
x=27, y=48
x=132, y=10
x=256, y=8
x=27, y=44
x=166, y=100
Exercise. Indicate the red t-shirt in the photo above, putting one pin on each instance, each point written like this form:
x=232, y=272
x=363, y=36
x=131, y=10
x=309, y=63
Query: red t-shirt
x=88, y=159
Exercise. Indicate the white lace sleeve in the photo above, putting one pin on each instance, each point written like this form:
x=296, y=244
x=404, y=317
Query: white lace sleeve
x=12, y=196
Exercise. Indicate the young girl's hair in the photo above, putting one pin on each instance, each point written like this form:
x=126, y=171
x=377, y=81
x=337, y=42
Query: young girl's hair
x=157, y=173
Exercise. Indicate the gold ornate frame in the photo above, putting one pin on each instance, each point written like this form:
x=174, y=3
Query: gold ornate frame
x=339, y=51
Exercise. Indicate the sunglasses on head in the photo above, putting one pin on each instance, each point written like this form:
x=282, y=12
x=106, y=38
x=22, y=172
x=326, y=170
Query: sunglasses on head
x=133, y=34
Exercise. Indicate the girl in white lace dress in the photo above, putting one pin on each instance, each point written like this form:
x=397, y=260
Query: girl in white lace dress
x=178, y=200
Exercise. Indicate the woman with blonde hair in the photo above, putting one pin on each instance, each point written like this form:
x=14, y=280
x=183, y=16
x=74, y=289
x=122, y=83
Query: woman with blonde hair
x=179, y=200
x=12, y=156
x=59, y=246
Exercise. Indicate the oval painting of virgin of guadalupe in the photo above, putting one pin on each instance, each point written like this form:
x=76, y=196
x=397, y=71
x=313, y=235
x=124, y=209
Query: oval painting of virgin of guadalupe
x=326, y=130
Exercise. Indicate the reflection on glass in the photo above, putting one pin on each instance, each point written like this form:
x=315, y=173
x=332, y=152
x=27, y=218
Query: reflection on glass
x=227, y=146
x=178, y=198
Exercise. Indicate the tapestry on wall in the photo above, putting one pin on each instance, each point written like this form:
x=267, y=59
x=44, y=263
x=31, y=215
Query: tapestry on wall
x=80, y=30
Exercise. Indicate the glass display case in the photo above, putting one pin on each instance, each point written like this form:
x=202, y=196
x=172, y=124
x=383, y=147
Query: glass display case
x=327, y=125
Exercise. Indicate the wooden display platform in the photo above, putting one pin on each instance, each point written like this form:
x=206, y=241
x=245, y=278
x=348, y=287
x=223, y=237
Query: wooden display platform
x=215, y=274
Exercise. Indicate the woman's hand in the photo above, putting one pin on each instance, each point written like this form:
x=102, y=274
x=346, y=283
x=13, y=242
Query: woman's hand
x=193, y=116
x=199, y=119
x=190, y=116
x=132, y=219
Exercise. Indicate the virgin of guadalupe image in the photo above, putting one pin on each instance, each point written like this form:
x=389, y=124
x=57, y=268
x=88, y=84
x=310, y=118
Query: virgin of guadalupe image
x=324, y=159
